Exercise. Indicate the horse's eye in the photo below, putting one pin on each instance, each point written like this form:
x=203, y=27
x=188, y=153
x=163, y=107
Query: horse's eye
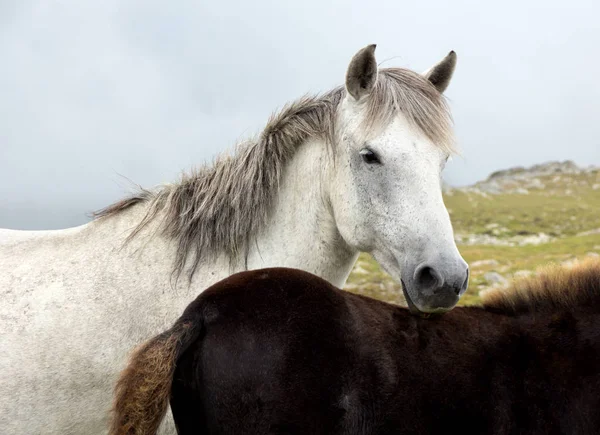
x=369, y=156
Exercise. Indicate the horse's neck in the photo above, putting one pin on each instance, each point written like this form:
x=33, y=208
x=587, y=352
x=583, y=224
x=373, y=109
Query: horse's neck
x=302, y=231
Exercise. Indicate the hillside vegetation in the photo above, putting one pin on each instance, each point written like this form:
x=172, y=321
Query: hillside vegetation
x=509, y=225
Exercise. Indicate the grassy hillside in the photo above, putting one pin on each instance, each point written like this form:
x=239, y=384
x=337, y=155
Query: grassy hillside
x=510, y=224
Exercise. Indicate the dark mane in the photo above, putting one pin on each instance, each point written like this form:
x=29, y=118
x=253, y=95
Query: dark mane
x=553, y=288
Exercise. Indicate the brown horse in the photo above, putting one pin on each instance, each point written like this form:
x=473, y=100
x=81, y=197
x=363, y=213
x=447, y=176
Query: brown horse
x=280, y=351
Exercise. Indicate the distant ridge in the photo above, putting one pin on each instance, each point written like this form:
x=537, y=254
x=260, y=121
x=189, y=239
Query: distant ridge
x=521, y=180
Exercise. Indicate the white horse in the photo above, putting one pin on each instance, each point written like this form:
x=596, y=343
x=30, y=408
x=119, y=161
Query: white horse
x=356, y=169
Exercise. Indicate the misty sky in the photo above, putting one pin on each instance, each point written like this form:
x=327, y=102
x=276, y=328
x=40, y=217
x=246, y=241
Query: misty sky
x=93, y=89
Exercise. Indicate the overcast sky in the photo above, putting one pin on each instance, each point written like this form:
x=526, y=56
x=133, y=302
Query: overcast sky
x=93, y=89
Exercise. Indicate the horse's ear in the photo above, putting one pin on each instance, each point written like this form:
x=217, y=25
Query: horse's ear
x=441, y=73
x=362, y=73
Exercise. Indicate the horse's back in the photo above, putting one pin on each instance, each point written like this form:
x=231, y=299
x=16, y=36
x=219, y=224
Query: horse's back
x=271, y=337
x=69, y=304
x=282, y=351
x=40, y=338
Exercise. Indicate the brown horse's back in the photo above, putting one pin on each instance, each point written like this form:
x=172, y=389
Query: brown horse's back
x=282, y=351
x=246, y=365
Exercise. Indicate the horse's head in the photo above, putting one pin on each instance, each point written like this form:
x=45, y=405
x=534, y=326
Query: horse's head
x=393, y=139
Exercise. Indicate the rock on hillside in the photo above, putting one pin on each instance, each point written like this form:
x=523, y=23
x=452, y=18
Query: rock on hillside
x=522, y=206
x=520, y=180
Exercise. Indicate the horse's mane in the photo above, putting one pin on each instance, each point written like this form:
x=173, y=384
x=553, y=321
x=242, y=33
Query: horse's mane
x=220, y=208
x=552, y=288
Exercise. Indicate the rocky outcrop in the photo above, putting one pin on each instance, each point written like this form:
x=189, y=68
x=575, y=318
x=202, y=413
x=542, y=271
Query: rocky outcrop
x=520, y=180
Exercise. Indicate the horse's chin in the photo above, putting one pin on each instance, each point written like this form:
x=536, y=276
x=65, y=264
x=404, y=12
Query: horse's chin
x=391, y=265
x=416, y=311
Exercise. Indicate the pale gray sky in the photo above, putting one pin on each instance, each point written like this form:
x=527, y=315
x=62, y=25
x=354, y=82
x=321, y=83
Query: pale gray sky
x=146, y=89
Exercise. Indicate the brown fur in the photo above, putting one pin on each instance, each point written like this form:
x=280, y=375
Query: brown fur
x=552, y=288
x=143, y=390
x=283, y=351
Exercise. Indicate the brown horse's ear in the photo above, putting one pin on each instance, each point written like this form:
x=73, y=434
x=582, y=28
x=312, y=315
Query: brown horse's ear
x=441, y=73
x=362, y=73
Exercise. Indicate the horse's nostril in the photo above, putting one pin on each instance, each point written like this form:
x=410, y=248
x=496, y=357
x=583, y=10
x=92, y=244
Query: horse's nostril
x=427, y=277
x=460, y=290
x=465, y=284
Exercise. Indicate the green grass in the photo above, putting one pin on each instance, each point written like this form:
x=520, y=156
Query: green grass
x=563, y=209
x=368, y=279
x=512, y=259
